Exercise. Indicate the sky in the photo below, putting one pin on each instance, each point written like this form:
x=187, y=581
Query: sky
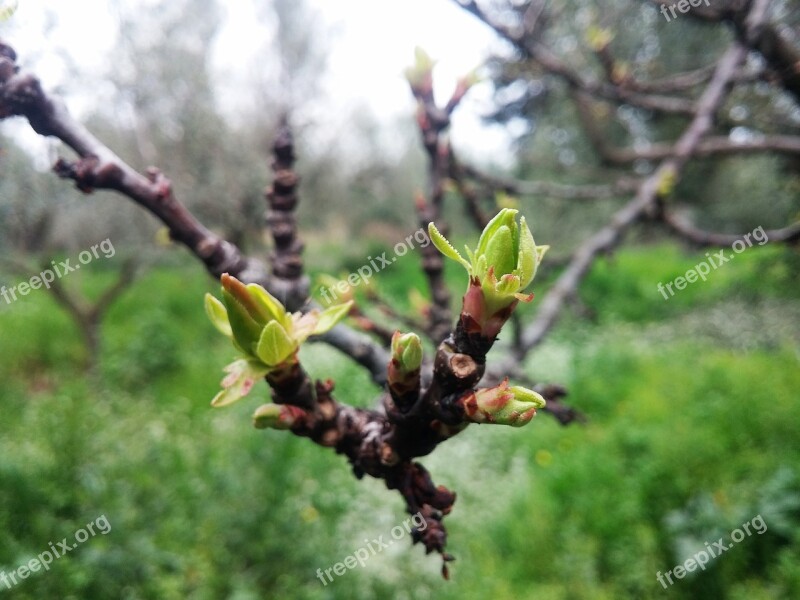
x=377, y=35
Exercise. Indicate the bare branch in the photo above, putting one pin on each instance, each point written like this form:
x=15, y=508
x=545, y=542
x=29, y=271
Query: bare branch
x=686, y=230
x=432, y=121
x=553, y=189
x=99, y=168
x=286, y=259
x=766, y=38
x=553, y=65
x=644, y=201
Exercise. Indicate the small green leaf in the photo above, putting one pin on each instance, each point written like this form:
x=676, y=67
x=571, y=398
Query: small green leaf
x=504, y=217
x=331, y=316
x=444, y=246
x=523, y=394
x=242, y=376
x=500, y=251
x=508, y=285
x=540, y=252
x=275, y=345
x=270, y=307
x=245, y=330
x=218, y=315
x=527, y=260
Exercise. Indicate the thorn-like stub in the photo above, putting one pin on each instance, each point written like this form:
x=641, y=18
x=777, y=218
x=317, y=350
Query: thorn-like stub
x=463, y=366
x=457, y=371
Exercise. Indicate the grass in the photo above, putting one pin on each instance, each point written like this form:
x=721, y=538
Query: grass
x=692, y=407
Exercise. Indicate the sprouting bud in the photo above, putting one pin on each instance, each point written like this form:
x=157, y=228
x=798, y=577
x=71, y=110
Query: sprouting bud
x=263, y=331
x=406, y=352
x=403, y=371
x=420, y=75
x=502, y=405
x=500, y=268
x=277, y=416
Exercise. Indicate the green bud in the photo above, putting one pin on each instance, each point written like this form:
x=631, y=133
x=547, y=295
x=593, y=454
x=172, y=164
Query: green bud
x=263, y=331
x=406, y=352
x=277, y=416
x=500, y=268
x=420, y=74
x=246, y=331
x=502, y=405
x=505, y=260
x=259, y=324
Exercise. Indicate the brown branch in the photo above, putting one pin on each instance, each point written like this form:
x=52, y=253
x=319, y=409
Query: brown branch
x=645, y=200
x=710, y=146
x=432, y=121
x=127, y=275
x=530, y=47
x=686, y=230
x=98, y=167
x=766, y=38
x=458, y=175
x=688, y=80
x=286, y=259
x=553, y=189
x=367, y=324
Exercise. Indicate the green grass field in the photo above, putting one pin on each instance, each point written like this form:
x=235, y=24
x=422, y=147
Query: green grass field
x=693, y=429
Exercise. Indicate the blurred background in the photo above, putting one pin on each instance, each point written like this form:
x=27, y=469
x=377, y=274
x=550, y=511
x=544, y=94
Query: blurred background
x=691, y=403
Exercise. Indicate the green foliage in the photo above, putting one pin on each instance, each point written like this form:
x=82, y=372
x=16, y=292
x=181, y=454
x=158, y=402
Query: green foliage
x=688, y=438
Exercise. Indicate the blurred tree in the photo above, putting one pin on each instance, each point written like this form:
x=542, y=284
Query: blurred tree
x=594, y=102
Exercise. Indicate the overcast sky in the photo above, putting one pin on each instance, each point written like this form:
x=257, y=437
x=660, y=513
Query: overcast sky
x=377, y=35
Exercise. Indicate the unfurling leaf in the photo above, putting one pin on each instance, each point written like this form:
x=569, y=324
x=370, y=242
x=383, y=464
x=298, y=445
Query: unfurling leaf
x=275, y=345
x=242, y=376
x=331, y=316
x=218, y=315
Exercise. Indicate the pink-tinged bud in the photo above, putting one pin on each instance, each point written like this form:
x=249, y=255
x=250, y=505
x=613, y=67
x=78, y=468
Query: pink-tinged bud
x=502, y=405
x=267, y=335
x=261, y=328
x=404, y=370
x=278, y=416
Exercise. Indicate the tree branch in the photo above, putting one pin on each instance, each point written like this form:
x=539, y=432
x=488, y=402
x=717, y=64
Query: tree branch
x=530, y=47
x=685, y=229
x=645, y=200
x=98, y=167
x=553, y=189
